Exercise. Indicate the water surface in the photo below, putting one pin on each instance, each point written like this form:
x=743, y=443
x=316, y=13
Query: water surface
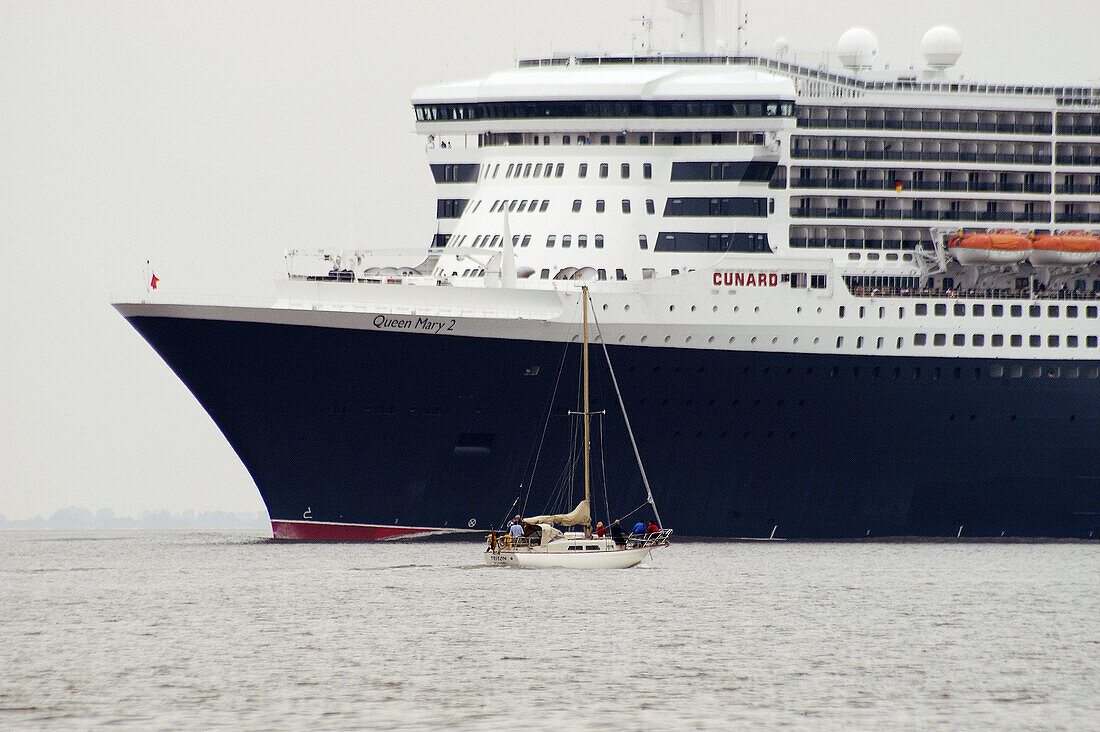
x=172, y=629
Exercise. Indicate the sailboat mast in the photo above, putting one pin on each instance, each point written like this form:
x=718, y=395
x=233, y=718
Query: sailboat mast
x=587, y=439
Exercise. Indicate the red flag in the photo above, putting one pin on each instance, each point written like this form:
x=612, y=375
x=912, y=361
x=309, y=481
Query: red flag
x=153, y=282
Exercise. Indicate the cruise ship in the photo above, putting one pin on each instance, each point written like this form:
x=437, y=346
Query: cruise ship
x=838, y=305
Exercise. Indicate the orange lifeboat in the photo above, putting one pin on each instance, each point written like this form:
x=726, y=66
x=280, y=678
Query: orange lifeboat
x=1064, y=249
x=989, y=248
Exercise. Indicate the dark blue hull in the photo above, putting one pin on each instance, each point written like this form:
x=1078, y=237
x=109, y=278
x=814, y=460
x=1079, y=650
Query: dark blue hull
x=402, y=429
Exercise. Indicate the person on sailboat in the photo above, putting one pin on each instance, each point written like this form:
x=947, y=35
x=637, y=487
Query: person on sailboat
x=617, y=533
x=600, y=529
x=653, y=528
x=639, y=528
x=516, y=529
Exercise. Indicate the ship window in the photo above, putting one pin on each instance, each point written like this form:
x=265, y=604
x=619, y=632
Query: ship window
x=620, y=139
x=959, y=309
x=958, y=339
x=496, y=169
x=599, y=241
x=818, y=281
x=940, y=308
x=582, y=241
x=603, y=170
x=582, y=170
x=921, y=308
x=565, y=139
x=1034, y=311
x=1091, y=372
x=549, y=170
x=620, y=274
x=559, y=170
x=601, y=274
x=649, y=207
x=1090, y=341
x=511, y=166
x=1034, y=371
x=605, y=139
x=544, y=274
x=978, y=310
x=841, y=311
x=543, y=205
x=647, y=170
x=1090, y=311
x=1072, y=372
x=1071, y=341
x=538, y=171
x=512, y=205
x=1016, y=341
x=997, y=370
x=839, y=341
x=626, y=206
x=1034, y=341
x=997, y=340
x=997, y=311
x=522, y=206
x=977, y=339
x=675, y=271
x=1052, y=341
x=1016, y=310
x=1071, y=311
x=515, y=240
x=901, y=313
x=599, y=205
x=624, y=170
x=527, y=171
x=495, y=241
x=576, y=205
x=1015, y=371
x=643, y=243
x=1052, y=311
x=939, y=339
x=550, y=240
x=526, y=240
x=566, y=240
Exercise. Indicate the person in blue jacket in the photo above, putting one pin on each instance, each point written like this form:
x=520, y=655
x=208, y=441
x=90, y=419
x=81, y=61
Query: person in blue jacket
x=639, y=528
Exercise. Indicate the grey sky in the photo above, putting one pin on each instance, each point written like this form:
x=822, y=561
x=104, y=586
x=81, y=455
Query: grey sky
x=211, y=136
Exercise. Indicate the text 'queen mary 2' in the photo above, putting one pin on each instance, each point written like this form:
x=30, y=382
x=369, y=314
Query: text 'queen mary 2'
x=838, y=305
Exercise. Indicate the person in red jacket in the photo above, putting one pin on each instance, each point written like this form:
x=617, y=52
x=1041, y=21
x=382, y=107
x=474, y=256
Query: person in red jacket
x=600, y=529
x=653, y=528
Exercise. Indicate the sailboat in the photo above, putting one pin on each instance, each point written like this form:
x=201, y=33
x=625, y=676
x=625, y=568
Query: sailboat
x=544, y=545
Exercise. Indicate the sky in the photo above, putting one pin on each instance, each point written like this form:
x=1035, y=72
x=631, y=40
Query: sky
x=210, y=137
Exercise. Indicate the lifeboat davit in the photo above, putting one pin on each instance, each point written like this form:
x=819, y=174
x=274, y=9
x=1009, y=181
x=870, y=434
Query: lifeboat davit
x=989, y=248
x=1064, y=249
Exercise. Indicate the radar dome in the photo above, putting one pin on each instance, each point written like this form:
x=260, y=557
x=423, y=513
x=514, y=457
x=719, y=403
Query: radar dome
x=781, y=47
x=941, y=47
x=857, y=48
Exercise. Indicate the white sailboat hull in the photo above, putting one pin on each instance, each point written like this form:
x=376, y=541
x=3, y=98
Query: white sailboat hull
x=534, y=558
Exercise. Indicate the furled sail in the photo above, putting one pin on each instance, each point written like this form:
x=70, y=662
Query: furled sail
x=579, y=516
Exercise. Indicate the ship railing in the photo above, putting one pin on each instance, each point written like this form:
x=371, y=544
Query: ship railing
x=657, y=538
x=976, y=293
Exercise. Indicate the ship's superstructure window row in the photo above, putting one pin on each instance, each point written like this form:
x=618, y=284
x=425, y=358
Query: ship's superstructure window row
x=582, y=109
x=921, y=209
x=928, y=120
x=695, y=241
x=450, y=208
x=899, y=181
x=923, y=150
x=455, y=172
x=688, y=137
x=742, y=170
x=716, y=207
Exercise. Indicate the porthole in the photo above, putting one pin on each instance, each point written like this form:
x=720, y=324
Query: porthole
x=671, y=308
x=798, y=309
x=819, y=310
x=736, y=308
x=693, y=308
x=645, y=338
x=795, y=340
x=626, y=308
x=605, y=306
x=576, y=338
x=668, y=338
x=714, y=309
x=775, y=340
x=732, y=338
x=687, y=340
x=622, y=339
x=816, y=340
x=756, y=309
x=752, y=340
x=710, y=340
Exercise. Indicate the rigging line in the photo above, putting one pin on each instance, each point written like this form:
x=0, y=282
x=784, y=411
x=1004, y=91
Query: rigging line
x=545, y=424
x=641, y=505
x=626, y=419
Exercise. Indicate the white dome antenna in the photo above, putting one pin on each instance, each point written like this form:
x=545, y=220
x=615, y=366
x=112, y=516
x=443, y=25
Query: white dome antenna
x=857, y=49
x=941, y=47
x=781, y=47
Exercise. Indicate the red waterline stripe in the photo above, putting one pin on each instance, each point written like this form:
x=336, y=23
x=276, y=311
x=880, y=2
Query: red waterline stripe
x=317, y=531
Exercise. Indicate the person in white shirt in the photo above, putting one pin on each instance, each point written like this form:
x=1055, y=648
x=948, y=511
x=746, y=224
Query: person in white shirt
x=516, y=529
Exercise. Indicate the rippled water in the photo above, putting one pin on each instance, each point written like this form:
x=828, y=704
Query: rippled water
x=196, y=629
